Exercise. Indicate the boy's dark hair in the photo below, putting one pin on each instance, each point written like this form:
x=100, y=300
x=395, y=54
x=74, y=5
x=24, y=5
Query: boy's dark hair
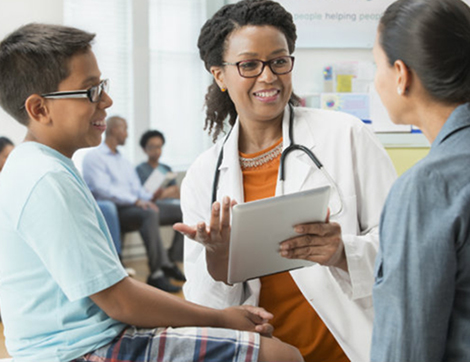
x=212, y=42
x=34, y=59
x=148, y=135
x=432, y=37
x=5, y=142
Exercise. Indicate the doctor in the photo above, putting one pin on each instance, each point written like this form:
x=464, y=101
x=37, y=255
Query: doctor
x=324, y=310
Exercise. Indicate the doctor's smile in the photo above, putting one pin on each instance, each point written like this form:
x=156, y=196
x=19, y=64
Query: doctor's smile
x=267, y=96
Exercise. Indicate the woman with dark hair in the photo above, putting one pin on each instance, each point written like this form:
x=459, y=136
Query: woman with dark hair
x=167, y=196
x=422, y=290
x=324, y=310
x=6, y=146
x=152, y=142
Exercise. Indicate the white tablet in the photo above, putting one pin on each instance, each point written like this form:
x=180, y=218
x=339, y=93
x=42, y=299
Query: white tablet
x=258, y=227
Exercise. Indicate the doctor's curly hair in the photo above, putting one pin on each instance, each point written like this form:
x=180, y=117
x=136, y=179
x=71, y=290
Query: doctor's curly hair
x=212, y=42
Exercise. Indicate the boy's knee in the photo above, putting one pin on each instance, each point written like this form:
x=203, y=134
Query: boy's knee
x=292, y=354
x=272, y=349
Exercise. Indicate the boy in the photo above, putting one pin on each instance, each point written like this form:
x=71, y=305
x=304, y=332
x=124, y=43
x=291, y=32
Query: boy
x=63, y=292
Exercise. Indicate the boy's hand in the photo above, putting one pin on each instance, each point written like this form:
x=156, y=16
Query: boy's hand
x=248, y=318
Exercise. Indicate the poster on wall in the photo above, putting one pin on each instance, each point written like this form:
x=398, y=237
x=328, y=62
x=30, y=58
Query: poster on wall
x=336, y=23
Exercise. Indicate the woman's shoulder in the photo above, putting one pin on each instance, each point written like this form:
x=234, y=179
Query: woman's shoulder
x=334, y=118
x=327, y=124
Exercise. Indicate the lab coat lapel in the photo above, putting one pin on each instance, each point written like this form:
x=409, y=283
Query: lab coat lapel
x=231, y=178
x=297, y=165
x=231, y=184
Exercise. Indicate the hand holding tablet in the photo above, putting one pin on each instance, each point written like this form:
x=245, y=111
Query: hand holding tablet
x=259, y=227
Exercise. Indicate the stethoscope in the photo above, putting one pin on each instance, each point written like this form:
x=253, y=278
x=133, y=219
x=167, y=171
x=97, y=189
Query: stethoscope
x=292, y=146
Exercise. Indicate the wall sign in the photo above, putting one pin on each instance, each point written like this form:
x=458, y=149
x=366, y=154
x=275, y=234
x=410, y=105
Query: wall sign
x=336, y=23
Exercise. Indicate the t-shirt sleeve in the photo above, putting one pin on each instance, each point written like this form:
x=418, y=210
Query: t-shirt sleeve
x=62, y=225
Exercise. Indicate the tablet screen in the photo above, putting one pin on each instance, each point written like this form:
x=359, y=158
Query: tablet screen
x=258, y=227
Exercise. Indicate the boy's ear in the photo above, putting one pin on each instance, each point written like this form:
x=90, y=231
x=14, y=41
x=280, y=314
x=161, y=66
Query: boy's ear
x=37, y=109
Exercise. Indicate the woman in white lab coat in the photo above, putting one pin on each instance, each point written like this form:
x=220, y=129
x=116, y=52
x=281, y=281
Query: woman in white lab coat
x=324, y=310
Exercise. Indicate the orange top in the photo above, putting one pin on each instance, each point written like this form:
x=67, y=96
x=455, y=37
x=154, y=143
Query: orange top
x=295, y=321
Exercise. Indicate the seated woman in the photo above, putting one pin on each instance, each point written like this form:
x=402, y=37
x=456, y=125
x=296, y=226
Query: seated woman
x=168, y=202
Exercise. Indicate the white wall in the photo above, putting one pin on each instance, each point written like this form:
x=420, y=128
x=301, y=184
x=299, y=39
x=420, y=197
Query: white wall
x=13, y=14
x=307, y=76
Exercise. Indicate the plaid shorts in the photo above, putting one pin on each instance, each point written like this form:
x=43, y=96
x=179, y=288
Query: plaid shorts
x=200, y=344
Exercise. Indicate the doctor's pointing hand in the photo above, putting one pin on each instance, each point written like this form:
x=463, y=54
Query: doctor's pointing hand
x=317, y=242
x=215, y=238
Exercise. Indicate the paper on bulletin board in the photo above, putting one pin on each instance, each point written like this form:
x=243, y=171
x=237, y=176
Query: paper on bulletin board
x=336, y=23
x=344, y=82
x=356, y=104
x=381, y=122
x=353, y=76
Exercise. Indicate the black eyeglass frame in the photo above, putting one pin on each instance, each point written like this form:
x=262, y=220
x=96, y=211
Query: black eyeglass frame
x=267, y=62
x=85, y=93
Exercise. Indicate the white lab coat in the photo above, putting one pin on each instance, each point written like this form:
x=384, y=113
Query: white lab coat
x=363, y=172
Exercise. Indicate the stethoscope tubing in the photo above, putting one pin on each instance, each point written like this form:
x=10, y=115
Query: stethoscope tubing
x=292, y=147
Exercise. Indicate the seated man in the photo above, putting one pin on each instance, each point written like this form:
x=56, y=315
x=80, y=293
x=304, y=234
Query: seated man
x=168, y=196
x=111, y=177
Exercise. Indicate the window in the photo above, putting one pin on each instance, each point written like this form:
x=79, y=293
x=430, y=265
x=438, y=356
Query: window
x=178, y=78
x=111, y=20
x=148, y=50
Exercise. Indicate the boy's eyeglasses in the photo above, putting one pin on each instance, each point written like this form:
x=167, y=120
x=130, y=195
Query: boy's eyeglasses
x=93, y=94
x=254, y=67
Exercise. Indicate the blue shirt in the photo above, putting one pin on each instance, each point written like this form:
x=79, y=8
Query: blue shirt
x=111, y=177
x=422, y=290
x=55, y=251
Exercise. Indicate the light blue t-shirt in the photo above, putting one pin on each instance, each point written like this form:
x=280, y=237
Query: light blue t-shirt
x=55, y=251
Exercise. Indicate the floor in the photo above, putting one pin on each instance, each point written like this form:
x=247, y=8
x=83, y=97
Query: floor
x=141, y=268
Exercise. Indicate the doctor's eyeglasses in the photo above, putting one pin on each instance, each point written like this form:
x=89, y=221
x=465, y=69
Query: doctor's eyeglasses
x=93, y=94
x=254, y=67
